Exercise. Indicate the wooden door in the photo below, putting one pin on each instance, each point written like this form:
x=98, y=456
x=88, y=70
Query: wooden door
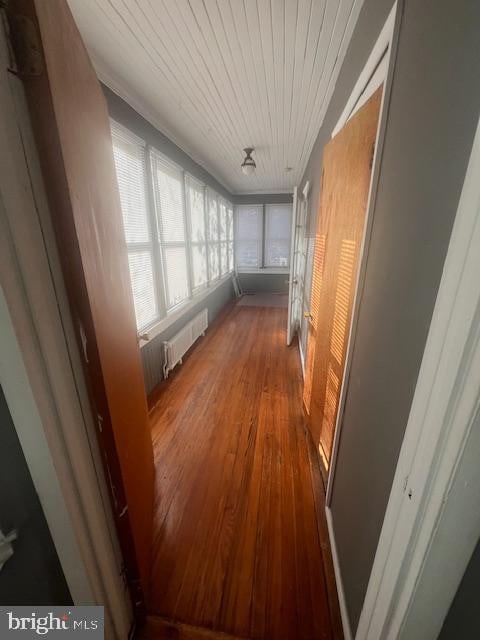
x=71, y=127
x=345, y=184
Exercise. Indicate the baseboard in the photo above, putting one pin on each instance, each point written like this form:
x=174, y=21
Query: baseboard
x=347, y=631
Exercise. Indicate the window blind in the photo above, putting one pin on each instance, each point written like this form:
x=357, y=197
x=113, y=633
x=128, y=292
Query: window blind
x=213, y=261
x=278, y=223
x=169, y=200
x=248, y=233
x=170, y=209
x=195, y=194
x=130, y=166
x=196, y=206
x=222, y=220
x=143, y=288
x=213, y=235
x=199, y=265
x=175, y=274
x=212, y=216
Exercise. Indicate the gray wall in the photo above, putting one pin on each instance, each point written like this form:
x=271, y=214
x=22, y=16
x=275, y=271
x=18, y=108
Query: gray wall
x=152, y=352
x=463, y=619
x=263, y=282
x=433, y=111
x=33, y=575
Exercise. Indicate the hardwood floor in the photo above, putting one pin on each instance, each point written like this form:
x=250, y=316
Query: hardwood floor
x=238, y=547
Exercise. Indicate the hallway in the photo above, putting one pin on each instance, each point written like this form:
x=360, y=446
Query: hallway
x=240, y=540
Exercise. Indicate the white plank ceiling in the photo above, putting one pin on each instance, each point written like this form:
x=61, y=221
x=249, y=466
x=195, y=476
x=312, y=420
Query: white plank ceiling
x=219, y=75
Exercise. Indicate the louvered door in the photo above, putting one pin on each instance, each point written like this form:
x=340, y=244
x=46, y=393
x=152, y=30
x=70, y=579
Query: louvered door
x=347, y=162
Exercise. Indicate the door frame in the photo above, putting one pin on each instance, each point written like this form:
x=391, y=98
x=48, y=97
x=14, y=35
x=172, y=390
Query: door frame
x=304, y=213
x=378, y=69
x=291, y=284
x=57, y=435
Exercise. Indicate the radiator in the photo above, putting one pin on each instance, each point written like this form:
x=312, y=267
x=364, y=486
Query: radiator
x=177, y=347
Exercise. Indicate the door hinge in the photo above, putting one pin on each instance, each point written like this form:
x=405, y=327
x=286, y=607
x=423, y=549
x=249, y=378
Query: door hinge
x=24, y=41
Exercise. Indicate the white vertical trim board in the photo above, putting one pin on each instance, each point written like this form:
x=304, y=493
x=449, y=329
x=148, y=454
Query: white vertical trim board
x=384, y=50
x=347, y=629
x=375, y=70
x=436, y=488
x=42, y=376
x=293, y=230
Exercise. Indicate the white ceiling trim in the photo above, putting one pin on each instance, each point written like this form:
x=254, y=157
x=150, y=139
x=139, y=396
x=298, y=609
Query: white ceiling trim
x=216, y=76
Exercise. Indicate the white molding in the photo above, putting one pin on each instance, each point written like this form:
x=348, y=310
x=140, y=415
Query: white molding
x=379, y=51
x=80, y=517
x=347, y=629
x=434, y=449
x=389, y=33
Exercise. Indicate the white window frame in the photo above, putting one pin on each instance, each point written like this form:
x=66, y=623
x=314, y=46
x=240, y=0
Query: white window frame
x=213, y=196
x=222, y=202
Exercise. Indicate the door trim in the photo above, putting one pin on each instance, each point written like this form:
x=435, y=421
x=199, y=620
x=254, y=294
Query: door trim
x=81, y=523
x=384, y=48
x=290, y=328
x=435, y=490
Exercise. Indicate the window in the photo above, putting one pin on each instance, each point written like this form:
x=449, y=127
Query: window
x=278, y=223
x=179, y=234
x=213, y=235
x=262, y=236
x=249, y=233
x=170, y=209
x=195, y=193
x=129, y=156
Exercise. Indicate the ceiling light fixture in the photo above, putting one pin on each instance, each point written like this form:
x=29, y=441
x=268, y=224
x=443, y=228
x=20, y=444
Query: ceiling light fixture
x=248, y=165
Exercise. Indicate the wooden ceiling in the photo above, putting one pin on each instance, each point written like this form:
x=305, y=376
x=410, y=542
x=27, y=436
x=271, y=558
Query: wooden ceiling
x=219, y=75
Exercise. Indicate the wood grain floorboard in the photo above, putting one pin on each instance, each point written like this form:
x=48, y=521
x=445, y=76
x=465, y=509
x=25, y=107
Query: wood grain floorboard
x=238, y=546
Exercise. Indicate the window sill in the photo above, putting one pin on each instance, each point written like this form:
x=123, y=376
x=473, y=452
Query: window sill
x=181, y=310
x=266, y=270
